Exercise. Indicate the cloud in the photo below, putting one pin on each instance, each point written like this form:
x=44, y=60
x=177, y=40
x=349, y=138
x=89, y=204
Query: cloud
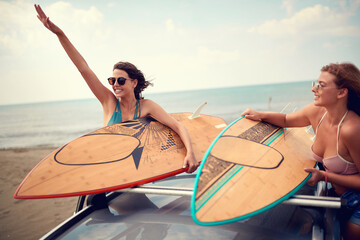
x=25, y=43
x=176, y=54
x=15, y=26
x=20, y=29
x=288, y=5
x=318, y=20
x=67, y=14
x=111, y=4
x=217, y=56
x=333, y=45
x=171, y=27
x=350, y=6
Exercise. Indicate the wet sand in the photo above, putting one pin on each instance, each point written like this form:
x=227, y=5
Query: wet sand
x=27, y=219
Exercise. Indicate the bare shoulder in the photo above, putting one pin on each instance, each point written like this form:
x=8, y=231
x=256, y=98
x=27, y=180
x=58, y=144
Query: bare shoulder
x=350, y=129
x=313, y=112
x=308, y=115
x=149, y=107
x=146, y=102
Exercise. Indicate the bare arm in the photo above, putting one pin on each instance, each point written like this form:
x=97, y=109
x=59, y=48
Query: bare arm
x=300, y=118
x=100, y=91
x=347, y=181
x=278, y=119
x=154, y=110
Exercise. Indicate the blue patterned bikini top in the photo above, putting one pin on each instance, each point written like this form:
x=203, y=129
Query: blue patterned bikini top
x=117, y=118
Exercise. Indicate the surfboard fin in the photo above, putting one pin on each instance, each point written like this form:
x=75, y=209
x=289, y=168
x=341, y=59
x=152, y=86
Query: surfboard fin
x=197, y=111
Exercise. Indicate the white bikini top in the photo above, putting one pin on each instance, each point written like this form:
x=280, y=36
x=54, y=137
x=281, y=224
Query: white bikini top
x=336, y=164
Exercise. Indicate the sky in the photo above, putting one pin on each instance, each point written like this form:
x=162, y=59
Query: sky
x=178, y=44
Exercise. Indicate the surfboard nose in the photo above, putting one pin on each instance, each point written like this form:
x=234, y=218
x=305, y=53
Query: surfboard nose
x=118, y=148
x=262, y=156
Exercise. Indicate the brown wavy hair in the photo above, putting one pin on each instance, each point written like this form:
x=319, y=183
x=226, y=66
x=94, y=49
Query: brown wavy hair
x=134, y=73
x=347, y=76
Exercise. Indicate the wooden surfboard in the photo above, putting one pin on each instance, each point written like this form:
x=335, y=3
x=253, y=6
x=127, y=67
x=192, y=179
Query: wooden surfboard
x=118, y=156
x=249, y=168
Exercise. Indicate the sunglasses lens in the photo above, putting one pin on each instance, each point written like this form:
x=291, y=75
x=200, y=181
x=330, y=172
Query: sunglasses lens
x=315, y=85
x=121, y=80
x=111, y=80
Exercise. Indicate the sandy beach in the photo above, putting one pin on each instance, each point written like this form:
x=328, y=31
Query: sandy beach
x=27, y=219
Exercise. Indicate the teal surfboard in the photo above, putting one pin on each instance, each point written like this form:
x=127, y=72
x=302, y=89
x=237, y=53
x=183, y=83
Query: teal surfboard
x=249, y=168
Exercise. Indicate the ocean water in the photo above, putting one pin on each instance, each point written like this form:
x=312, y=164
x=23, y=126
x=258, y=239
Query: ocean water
x=53, y=124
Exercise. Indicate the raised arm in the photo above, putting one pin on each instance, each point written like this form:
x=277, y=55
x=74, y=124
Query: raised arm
x=100, y=91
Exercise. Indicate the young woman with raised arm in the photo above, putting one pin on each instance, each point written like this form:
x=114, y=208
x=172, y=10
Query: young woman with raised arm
x=125, y=102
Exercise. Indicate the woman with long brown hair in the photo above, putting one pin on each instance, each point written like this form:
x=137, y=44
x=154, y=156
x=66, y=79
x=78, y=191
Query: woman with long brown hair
x=125, y=102
x=334, y=116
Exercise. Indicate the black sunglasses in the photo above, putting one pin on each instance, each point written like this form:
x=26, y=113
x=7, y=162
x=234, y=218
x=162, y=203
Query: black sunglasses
x=120, y=80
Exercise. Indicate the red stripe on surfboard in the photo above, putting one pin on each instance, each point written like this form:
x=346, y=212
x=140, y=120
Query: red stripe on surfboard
x=76, y=194
x=33, y=169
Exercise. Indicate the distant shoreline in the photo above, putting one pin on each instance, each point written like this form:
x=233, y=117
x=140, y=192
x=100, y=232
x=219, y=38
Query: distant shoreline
x=26, y=149
x=57, y=123
x=152, y=93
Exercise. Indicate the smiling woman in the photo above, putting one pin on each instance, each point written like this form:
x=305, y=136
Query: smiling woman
x=125, y=103
x=334, y=116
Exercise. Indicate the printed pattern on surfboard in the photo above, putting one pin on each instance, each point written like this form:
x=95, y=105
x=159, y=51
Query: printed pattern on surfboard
x=250, y=167
x=118, y=156
x=132, y=136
